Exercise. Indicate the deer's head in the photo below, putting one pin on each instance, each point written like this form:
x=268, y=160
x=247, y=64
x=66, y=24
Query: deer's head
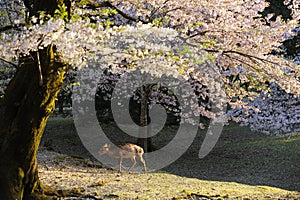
x=105, y=148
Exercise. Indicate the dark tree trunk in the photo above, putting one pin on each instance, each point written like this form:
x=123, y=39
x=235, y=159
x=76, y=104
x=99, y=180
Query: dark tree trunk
x=145, y=141
x=29, y=100
x=48, y=6
x=60, y=104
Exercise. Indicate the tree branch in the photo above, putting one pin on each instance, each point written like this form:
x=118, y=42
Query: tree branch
x=9, y=27
x=251, y=66
x=224, y=52
x=40, y=68
x=6, y=61
x=94, y=5
x=163, y=13
x=241, y=54
x=6, y=28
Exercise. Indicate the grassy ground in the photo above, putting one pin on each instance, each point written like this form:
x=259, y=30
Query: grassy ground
x=244, y=165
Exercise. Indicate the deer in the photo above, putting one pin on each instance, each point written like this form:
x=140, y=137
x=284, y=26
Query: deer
x=126, y=150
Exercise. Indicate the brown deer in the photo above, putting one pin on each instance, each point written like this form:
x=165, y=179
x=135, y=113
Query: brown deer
x=127, y=150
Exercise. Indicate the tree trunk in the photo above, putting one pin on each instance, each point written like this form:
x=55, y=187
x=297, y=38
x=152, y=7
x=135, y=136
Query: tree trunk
x=49, y=6
x=60, y=104
x=29, y=100
x=145, y=141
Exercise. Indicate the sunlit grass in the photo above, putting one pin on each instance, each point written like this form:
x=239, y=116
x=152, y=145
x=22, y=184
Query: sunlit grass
x=243, y=165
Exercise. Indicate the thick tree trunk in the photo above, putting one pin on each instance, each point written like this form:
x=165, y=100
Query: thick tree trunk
x=28, y=102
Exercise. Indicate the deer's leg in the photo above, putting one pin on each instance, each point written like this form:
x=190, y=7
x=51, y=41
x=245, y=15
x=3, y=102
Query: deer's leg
x=120, y=167
x=133, y=163
x=144, y=163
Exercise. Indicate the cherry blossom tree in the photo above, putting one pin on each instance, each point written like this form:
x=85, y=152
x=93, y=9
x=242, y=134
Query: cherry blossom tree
x=43, y=40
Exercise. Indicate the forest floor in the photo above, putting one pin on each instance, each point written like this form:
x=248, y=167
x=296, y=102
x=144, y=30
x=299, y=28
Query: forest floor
x=243, y=165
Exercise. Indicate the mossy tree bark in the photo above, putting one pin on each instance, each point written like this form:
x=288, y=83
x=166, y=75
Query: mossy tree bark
x=28, y=102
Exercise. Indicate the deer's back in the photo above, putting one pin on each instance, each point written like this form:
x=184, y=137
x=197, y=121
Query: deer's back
x=131, y=149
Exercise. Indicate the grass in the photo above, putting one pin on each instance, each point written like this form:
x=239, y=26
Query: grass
x=55, y=122
x=243, y=165
x=168, y=186
x=279, y=144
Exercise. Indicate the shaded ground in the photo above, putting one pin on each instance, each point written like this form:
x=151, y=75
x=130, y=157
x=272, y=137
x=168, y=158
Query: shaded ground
x=86, y=180
x=240, y=155
x=246, y=157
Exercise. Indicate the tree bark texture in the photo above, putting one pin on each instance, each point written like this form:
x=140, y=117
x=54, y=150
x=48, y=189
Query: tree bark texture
x=29, y=100
x=145, y=141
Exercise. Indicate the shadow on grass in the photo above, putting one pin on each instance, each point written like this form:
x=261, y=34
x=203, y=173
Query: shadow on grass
x=240, y=155
x=245, y=157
